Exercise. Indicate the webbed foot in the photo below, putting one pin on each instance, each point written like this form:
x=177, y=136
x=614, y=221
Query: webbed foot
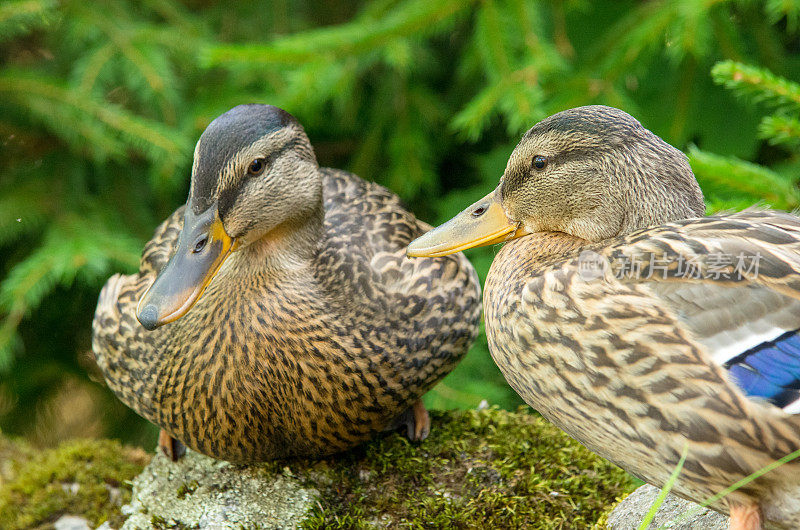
x=745, y=517
x=416, y=421
x=171, y=447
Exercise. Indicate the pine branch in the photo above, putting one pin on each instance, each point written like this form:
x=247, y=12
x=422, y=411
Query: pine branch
x=780, y=130
x=502, y=40
x=18, y=17
x=716, y=204
x=525, y=13
x=745, y=178
x=778, y=9
x=88, y=69
x=411, y=170
x=151, y=72
x=75, y=118
x=690, y=32
x=758, y=84
x=634, y=37
x=178, y=16
x=489, y=31
x=72, y=248
x=503, y=96
x=409, y=141
x=410, y=18
x=476, y=115
x=312, y=85
x=668, y=28
x=368, y=156
x=519, y=117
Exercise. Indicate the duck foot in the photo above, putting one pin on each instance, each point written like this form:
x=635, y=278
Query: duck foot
x=745, y=517
x=415, y=420
x=171, y=447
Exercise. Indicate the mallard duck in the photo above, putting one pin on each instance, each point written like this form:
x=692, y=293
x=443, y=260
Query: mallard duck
x=635, y=324
x=276, y=314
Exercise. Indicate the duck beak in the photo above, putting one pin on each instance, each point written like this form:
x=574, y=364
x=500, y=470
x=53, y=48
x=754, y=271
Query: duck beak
x=203, y=246
x=483, y=223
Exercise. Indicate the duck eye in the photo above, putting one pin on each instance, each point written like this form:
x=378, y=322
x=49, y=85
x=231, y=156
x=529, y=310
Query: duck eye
x=539, y=162
x=257, y=166
x=200, y=245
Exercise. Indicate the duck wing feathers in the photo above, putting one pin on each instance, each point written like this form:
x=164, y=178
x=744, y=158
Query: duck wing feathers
x=734, y=283
x=431, y=306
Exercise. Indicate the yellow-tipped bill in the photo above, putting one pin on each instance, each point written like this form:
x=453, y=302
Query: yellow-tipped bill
x=483, y=223
x=202, y=248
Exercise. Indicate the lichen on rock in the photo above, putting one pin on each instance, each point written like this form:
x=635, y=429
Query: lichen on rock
x=201, y=492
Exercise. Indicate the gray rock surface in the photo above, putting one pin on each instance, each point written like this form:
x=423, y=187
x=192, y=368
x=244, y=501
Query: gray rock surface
x=71, y=522
x=674, y=513
x=200, y=492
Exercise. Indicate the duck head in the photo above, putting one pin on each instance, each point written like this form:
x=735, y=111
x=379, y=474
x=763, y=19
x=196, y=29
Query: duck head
x=254, y=171
x=591, y=172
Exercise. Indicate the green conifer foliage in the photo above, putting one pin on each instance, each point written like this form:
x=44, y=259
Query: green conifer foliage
x=101, y=103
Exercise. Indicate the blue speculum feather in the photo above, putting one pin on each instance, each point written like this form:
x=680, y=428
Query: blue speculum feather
x=771, y=370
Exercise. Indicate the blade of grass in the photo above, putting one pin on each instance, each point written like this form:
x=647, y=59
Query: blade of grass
x=651, y=513
x=736, y=485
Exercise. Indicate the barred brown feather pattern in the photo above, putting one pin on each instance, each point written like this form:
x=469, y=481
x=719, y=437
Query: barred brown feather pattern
x=612, y=362
x=309, y=359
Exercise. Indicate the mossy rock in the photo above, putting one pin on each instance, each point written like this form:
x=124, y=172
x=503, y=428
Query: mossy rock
x=477, y=469
x=90, y=478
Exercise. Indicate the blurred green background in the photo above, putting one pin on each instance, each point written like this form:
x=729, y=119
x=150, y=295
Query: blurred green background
x=101, y=104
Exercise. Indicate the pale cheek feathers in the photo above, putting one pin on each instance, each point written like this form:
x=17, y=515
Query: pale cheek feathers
x=286, y=190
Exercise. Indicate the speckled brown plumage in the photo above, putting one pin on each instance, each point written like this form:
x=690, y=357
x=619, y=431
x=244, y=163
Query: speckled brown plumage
x=307, y=352
x=639, y=364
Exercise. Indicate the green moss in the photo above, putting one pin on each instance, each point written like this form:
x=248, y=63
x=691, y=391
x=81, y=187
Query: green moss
x=159, y=523
x=478, y=469
x=602, y=522
x=82, y=477
x=12, y=454
x=187, y=488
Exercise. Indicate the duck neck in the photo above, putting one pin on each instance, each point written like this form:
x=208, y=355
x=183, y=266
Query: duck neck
x=287, y=248
x=659, y=192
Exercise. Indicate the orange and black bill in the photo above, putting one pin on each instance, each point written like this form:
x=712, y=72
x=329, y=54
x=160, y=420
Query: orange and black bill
x=203, y=246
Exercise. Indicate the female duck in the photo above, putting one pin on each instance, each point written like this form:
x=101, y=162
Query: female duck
x=276, y=313
x=636, y=325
